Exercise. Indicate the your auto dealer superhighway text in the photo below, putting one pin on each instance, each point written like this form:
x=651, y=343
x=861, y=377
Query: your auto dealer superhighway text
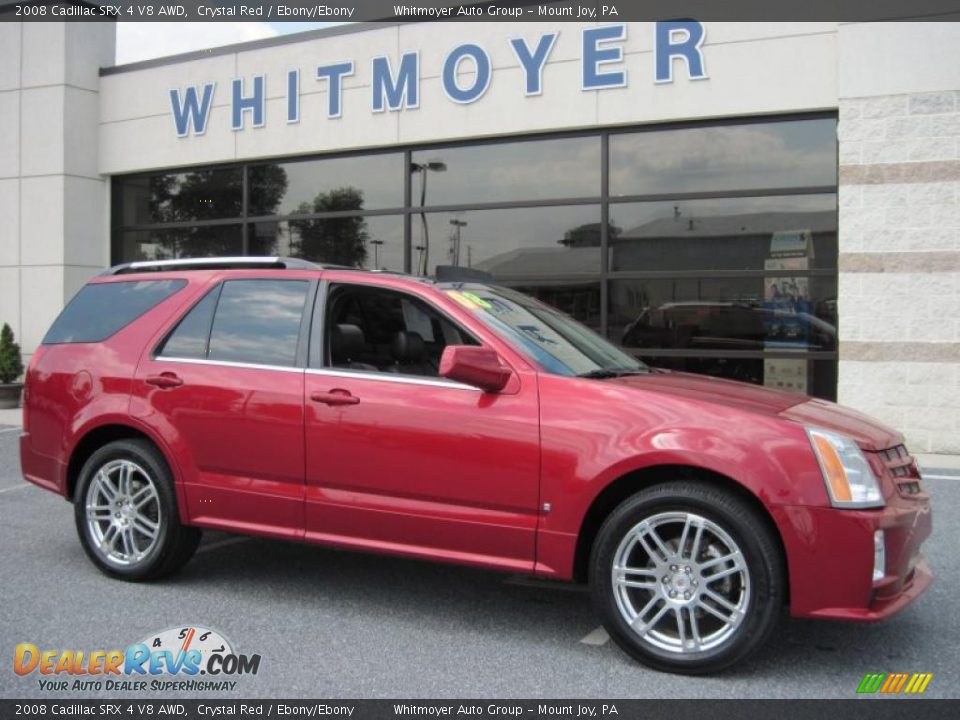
x=314, y=11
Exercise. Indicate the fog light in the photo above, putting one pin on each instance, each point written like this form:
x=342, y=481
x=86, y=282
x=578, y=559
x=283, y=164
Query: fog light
x=879, y=556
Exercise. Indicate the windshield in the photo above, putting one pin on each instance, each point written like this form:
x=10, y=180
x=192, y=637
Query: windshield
x=554, y=341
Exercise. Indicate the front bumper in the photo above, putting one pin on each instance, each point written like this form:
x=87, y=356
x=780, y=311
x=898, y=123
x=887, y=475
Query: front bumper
x=830, y=558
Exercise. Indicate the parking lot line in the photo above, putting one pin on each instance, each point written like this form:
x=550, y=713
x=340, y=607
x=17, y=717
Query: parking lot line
x=15, y=487
x=597, y=636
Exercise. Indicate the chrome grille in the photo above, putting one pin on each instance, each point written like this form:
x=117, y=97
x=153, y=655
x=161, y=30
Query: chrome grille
x=902, y=468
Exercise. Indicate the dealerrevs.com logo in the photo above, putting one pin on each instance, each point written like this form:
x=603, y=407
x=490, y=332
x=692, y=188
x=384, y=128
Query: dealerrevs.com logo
x=188, y=658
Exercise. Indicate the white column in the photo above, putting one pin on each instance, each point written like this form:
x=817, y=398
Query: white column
x=54, y=231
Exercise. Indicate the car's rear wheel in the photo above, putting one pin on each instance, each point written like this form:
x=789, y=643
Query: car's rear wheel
x=688, y=578
x=126, y=513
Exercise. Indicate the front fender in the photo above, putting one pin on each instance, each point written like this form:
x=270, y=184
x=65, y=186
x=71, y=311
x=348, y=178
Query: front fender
x=612, y=432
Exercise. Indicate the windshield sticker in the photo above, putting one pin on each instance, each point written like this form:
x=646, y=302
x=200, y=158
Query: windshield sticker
x=478, y=300
x=463, y=299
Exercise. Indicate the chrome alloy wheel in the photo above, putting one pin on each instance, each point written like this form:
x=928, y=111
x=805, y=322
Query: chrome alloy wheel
x=681, y=583
x=123, y=513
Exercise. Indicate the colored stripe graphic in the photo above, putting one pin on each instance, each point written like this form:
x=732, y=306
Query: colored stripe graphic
x=895, y=683
x=871, y=682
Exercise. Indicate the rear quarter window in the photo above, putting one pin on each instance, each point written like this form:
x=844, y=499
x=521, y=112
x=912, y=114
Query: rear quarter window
x=103, y=309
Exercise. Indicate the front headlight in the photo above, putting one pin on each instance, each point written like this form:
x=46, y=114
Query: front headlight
x=849, y=479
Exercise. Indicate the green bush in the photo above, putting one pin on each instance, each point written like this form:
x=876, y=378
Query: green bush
x=11, y=364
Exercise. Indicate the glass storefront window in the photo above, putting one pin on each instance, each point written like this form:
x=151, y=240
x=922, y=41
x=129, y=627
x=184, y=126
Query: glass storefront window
x=796, y=153
x=372, y=242
x=552, y=253
x=792, y=374
x=706, y=269
x=514, y=244
x=203, y=194
x=191, y=242
x=709, y=314
x=498, y=172
x=724, y=234
x=364, y=182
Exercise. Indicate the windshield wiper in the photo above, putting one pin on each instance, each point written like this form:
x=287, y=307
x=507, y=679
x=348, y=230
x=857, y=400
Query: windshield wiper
x=605, y=373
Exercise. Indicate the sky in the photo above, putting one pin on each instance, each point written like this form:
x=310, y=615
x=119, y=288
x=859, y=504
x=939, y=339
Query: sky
x=144, y=41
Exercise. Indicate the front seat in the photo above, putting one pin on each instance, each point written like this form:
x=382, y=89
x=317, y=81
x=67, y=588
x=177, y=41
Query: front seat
x=347, y=343
x=410, y=355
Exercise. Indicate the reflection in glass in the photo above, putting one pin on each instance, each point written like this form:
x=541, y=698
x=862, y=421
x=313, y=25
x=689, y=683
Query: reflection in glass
x=377, y=179
x=517, y=244
x=723, y=234
x=797, y=153
x=189, y=339
x=724, y=314
x=579, y=300
x=258, y=321
x=529, y=170
x=372, y=242
x=799, y=375
x=551, y=253
x=191, y=242
x=178, y=197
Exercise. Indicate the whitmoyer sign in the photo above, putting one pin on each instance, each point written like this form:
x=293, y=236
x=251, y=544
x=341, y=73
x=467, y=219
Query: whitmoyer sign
x=466, y=74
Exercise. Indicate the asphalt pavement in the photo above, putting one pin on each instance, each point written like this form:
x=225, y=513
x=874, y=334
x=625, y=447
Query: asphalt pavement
x=334, y=624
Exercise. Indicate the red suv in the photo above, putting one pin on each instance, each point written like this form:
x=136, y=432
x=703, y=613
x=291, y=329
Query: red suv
x=468, y=423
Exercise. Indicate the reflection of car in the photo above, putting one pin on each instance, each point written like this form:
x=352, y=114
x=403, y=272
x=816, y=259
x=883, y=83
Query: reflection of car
x=463, y=423
x=728, y=326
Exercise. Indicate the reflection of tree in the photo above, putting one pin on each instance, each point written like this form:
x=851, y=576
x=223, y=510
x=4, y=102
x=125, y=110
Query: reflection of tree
x=337, y=240
x=588, y=235
x=212, y=195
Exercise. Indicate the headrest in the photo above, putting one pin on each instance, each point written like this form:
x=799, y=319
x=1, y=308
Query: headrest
x=346, y=342
x=408, y=347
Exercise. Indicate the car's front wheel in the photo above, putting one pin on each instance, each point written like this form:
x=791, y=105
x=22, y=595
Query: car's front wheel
x=126, y=513
x=688, y=578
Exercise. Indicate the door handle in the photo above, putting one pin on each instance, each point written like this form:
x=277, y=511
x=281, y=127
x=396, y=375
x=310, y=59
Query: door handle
x=165, y=380
x=335, y=397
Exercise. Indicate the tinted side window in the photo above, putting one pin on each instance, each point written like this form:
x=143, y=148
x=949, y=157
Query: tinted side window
x=189, y=338
x=376, y=330
x=102, y=309
x=258, y=321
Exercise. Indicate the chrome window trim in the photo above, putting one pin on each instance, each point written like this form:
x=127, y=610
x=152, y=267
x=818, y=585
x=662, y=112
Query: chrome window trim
x=357, y=374
x=228, y=363
x=390, y=377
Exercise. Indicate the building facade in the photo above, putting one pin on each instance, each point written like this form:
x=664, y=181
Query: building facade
x=772, y=202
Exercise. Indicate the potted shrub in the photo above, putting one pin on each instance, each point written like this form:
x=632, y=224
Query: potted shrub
x=11, y=368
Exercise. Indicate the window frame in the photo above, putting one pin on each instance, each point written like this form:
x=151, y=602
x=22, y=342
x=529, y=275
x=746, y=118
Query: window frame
x=319, y=364
x=300, y=355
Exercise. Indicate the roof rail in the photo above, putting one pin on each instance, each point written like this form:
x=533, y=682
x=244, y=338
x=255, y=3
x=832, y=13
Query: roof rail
x=215, y=263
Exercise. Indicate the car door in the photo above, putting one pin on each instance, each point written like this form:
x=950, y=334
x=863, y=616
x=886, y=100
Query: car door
x=225, y=388
x=399, y=459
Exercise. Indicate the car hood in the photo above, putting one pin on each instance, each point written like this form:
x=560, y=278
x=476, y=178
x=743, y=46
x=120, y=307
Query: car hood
x=868, y=433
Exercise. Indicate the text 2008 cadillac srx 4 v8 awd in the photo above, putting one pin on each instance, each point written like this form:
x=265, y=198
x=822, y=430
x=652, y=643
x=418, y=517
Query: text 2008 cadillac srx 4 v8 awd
x=463, y=422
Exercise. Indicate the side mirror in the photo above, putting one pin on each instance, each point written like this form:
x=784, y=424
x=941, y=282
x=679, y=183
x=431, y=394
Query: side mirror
x=476, y=366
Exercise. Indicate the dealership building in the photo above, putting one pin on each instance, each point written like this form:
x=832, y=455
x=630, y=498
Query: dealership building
x=772, y=202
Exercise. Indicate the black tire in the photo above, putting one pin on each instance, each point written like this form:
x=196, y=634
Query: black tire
x=174, y=543
x=756, y=582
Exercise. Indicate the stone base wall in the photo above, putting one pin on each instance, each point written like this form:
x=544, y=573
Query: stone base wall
x=899, y=292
